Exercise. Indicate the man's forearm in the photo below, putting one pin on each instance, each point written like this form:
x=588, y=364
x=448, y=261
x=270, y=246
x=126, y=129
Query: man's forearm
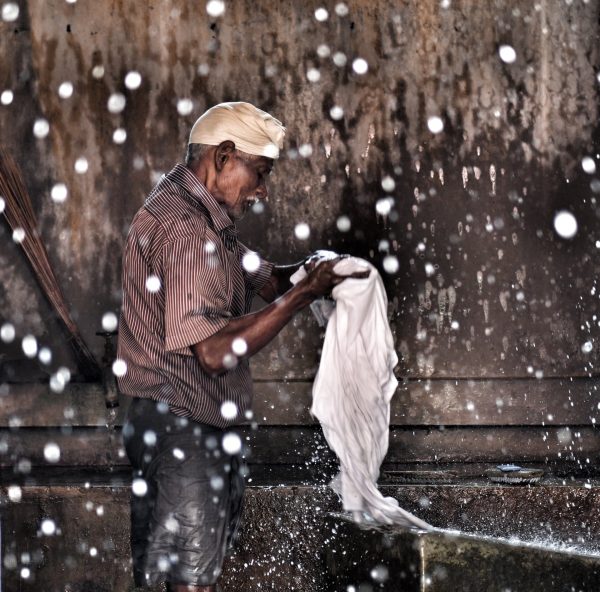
x=256, y=329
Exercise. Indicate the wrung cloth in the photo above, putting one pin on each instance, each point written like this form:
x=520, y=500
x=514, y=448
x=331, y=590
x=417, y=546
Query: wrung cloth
x=353, y=390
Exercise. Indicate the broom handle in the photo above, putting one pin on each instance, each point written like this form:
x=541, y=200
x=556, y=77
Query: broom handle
x=42, y=268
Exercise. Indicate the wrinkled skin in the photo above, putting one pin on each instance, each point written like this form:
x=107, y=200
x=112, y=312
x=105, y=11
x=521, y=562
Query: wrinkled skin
x=235, y=179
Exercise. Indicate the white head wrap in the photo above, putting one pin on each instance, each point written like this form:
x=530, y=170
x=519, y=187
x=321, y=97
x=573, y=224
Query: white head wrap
x=251, y=130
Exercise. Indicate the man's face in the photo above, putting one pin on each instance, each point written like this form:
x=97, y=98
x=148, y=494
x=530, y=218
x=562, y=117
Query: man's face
x=242, y=182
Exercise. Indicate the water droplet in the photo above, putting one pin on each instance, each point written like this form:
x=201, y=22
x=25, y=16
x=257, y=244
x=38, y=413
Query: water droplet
x=133, y=80
x=215, y=8
x=341, y=9
x=57, y=384
x=116, y=103
x=14, y=493
x=390, y=264
x=384, y=206
x=302, y=231
x=48, y=527
x=119, y=367
x=59, y=193
x=30, y=346
x=65, y=90
x=153, y=283
x=41, y=128
x=388, y=184
x=25, y=573
x=323, y=51
x=336, y=113
x=139, y=487
x=229, y=410
x=340, y=59
x=119, y=136
x=7, y=333
x=360, y=66
x=313, y=75
x=98, y=72
x=149, y=438
x=507, y=54
x=565, y=224
x=52, y=452
x=251, y=262
x=588, y=165
x=81, y=165
x=343, y=224
x=217, y=482
x=380, y=573
x=45, y=356
x=230, y=361
x=232, y=444
x=178, y=453
x=110, y=321
x=203, y=69
x=587, y=347
x=305, y=150
x=18, y=235
x=435, y=124
x=6, y=98
x=239, y=346
x=321, y=14
x=10, y=12
x=258, y=207
x=184, y=107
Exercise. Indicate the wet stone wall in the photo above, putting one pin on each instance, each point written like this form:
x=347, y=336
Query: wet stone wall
x=76, y=539
x=480, y=284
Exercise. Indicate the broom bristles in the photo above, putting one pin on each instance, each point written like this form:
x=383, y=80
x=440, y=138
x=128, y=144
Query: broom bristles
x=20, y=215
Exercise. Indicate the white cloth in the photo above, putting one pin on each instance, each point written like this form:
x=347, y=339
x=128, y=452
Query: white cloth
x=251, y=130
x=352, y=393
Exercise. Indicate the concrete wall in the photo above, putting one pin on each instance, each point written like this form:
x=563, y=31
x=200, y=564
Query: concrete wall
x=485, y=289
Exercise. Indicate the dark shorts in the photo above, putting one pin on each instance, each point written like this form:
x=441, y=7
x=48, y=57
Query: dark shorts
x=186, y=496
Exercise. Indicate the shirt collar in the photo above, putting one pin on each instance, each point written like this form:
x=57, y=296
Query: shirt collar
x=184, y=177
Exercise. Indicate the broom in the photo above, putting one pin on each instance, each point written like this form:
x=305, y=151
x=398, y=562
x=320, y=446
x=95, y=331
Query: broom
x=20, y=216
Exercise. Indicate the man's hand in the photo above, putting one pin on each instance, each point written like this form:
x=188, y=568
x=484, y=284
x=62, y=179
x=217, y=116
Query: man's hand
x=322, y=279
x=259, y=328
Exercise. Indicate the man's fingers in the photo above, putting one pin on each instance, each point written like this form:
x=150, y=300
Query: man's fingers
x=310, y=265
x=356, y=275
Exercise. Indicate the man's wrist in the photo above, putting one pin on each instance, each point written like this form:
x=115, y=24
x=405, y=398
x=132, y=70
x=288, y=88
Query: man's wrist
x=303, y=293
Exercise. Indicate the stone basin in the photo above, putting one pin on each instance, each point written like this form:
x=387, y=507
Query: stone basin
x=364, y=559
x=499, y=536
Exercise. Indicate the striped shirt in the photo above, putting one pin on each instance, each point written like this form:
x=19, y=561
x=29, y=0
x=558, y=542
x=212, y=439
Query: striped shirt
x=183, y=280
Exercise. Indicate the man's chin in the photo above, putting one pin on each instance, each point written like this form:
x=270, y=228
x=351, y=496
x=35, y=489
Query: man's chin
x=238, y=214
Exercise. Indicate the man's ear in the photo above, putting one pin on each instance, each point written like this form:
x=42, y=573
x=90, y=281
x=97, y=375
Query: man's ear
x=223, y=153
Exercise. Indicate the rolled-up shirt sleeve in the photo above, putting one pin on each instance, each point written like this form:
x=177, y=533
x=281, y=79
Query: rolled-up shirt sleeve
x=256, y=270
x=195, y=293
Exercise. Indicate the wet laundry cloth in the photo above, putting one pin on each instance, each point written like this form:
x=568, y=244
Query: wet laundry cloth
x=353, y=390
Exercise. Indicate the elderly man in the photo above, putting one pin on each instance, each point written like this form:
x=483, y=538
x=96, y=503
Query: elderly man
x=186, y=334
